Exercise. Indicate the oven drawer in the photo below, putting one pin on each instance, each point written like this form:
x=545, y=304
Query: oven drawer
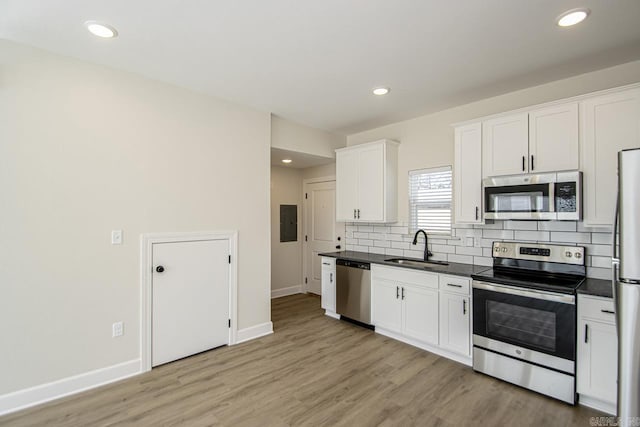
x=455, y=284
x=596, y=308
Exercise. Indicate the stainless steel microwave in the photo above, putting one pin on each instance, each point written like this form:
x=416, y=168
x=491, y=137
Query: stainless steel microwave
x=548, y=196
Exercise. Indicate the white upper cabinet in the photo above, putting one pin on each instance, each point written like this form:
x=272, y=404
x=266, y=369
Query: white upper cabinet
x=543, y=140
x=553, y=138
x=506, y=145
x=366, y=182
x=608, y=124
x=467, y=180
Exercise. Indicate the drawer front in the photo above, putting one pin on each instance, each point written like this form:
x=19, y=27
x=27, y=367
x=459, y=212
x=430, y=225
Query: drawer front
x=328, y=262
x=455, y=284
x=596, y=308
x=405, y=275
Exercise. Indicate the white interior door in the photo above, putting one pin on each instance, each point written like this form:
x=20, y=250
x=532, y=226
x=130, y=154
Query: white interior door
x=322, y=232
x=190, y=298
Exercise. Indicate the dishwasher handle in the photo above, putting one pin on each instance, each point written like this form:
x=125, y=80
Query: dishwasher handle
x=353, y=264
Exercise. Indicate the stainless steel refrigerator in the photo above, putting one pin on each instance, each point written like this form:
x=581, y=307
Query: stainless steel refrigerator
x=626, y=285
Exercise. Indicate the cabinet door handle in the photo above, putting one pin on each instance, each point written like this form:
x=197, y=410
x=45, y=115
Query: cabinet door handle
x=532, y=162
x=397, y=292
x=330, y=277
x=477, y=213
x=523, y=160
x=403, y=292
x=354, y=214
x=454, y=285
x=358, y=213
x=608, y=311
x=586, y=332
x=464, y=306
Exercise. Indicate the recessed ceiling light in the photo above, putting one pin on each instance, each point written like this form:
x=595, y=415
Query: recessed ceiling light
x=381, y=90
x=286, y=161
x=573, y=17
x=101, y=30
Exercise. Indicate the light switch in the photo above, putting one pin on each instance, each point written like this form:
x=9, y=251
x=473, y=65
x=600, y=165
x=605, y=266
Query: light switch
x=116, y=237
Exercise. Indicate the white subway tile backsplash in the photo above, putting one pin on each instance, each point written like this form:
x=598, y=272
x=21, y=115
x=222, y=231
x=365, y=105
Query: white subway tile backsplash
x=601, y=261
x=445, y=249
x=539, y=236
x=556, y=225
x=393, y=252
x=497, y=234
x=401, y=245
x=382, y=243
x=466, y=250
x=566, y=237
x=413, y=254
x=497, y=225
x=602, y=238
x=463, y=259
x=399, y=230
x=601, y=229
x=481, y=260
x=473, y=244
x=599, y=273
x=521, y=225
x=375, y=250
x=600, y=250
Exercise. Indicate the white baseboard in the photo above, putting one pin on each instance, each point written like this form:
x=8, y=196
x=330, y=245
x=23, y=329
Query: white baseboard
x=466, y=360
x=332, y=314
x=600, y=405
x=283, y=292
x=32, y=396
x=254, y=332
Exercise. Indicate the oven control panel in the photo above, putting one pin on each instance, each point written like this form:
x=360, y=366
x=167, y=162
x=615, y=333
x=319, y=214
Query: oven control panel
x=539, y=252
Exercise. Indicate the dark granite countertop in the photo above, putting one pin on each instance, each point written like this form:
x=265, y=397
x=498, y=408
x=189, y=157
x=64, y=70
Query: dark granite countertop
x=596, y=287
x=454, y=268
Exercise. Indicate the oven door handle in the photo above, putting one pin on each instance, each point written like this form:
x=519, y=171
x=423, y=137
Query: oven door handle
x=543, y=295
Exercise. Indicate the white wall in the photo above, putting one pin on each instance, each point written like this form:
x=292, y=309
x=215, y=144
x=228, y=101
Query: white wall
x=427, y=141
x=319, y=171
x=85, y=149
x=287, y=135
x=286, y=257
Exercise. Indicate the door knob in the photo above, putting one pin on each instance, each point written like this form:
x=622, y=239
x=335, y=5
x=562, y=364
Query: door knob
x=159, y=269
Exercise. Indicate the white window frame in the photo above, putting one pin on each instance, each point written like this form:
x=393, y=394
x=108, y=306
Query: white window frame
x=413, y=226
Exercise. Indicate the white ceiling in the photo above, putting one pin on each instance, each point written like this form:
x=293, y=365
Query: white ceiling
x=298, y=160
x=315, y=62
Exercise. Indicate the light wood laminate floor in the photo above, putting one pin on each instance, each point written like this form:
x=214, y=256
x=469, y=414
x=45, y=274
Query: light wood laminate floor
x=314, y=371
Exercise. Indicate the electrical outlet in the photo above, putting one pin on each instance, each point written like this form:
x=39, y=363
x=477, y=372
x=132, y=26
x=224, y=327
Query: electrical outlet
x=117, y=329
x=469, y=241
x=116, y=237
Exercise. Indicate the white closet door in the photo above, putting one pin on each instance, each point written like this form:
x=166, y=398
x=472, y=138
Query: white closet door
x=190, y=298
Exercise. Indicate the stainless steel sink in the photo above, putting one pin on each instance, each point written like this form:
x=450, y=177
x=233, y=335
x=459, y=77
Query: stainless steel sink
x=415, y=262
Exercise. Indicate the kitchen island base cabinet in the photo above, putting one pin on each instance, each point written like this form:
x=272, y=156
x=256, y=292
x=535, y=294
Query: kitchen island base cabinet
x=597, y=367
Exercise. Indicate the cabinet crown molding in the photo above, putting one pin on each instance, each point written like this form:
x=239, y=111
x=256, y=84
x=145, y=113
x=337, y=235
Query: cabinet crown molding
x=529, y=108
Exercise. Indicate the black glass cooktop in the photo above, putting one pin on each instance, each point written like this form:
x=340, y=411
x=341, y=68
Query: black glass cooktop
x=561, y=283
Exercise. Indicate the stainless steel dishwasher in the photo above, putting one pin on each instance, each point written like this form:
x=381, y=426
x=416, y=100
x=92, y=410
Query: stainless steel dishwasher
x=353, y=290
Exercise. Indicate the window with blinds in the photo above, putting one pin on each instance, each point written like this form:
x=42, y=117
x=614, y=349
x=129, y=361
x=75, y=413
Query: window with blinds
x=430, y=193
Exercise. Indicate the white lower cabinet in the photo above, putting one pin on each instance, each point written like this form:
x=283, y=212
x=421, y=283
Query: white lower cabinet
x=455, y=323
x=419, y=308
x=386, y=305
x=597, y=358
x=328, y=298
x=420, y=313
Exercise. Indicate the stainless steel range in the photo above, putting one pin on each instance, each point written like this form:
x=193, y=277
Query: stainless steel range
x=524, y=316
